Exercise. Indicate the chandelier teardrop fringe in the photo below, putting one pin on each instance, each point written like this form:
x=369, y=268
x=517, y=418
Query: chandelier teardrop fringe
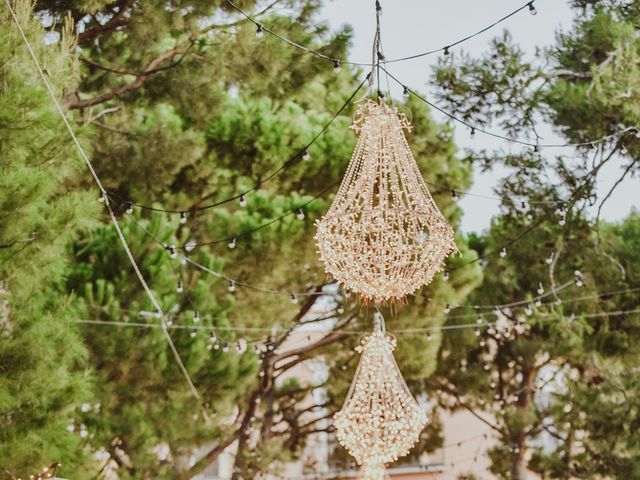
x=380, y=420
x=383, y=236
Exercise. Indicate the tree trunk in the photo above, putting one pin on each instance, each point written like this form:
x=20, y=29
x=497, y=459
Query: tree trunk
x=518, y=465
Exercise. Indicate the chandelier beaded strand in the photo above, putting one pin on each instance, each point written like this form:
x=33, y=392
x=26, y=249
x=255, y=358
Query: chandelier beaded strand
x=380, y=420
x=383, y=237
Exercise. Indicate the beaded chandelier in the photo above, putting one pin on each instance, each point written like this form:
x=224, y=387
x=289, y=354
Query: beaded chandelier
x=383, y=236
x=380, y=420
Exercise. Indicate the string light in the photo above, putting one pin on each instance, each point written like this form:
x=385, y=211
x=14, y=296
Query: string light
x=180, y=287
x=265, y=177
x=380, y=420
x=378, y=12
x=336, y=66
x=383, y=236
x=232, y=243
x=504, y=137
x=243, y=201
x=300, y=214
x=232, y=286
x=532, y=9
x=259, y=31
x=129, y=208
x=183, y=218
x=306, y=156
x=196, y=317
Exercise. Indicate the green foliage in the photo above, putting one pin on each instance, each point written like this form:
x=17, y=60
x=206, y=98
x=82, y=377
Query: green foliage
x=142, y=399
x=44, y=372
x=586, y=86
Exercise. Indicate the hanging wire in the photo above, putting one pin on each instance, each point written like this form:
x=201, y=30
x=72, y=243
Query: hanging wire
x=298, y=155
x=114, y=220
x=321, y=55
x=170, y=250
x=535, y=146
x=401, y=331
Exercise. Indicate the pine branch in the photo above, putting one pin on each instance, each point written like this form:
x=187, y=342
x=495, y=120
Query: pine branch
x=119, y=19
x=153, y=67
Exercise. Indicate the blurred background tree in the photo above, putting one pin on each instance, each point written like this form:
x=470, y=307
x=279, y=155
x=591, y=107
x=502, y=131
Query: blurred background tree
x=543, y=381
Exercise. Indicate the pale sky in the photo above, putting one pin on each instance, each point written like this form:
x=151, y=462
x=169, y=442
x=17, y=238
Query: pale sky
x=414, y=26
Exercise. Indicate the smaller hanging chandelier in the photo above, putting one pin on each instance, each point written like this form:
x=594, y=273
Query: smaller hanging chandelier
x=383, y=236
x=380, y=420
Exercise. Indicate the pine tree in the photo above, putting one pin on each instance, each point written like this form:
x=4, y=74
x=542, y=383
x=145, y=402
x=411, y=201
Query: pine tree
x=563, y=360
x=44, y=372
x=184, y=118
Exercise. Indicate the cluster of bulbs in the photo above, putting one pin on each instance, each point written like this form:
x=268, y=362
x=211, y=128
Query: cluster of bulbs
x=45, y=473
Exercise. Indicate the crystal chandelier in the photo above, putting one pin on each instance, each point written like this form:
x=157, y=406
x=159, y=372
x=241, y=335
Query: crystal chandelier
x=380, y=420
x=383, y=236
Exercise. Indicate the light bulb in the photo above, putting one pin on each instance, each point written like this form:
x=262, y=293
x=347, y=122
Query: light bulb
x=294, y=299
x=232, y=243
x=300, y=214
x=540, y=289
x=183, y=218
x=259, y=31
x=532, y=9
x=243, y=201
x=180, y=287
x=196, y=317
x=193, y=333
x=129, y=208
x=336, y=66
x=232, y=286
x=306, y=156
x=503, y=252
